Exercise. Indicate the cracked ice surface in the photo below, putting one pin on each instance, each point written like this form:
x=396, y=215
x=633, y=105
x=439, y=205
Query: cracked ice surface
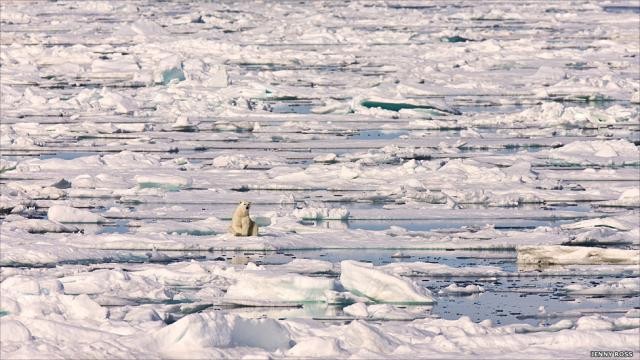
x=430, y=179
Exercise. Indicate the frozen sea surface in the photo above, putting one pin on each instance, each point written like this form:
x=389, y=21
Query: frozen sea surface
x=430, y=179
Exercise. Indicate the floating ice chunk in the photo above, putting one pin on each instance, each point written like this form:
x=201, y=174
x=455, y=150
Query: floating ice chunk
x=35, y=191
x=332, y=106
x=209, y=75
x=461, y=290
x=169, y=69
x=364, y=280
x=37, y=226
x=183, y=124
x=305, y=266
x=397, y=105
x=628, y=198
x=549, y=74
x=126, y=64
x=633, y=313
x=269, y=288
x=119, y=103
x=329, y=158
x=67, y=214
x=628, y=286
x=147, y=28
x=241, y=161
x=184, y=274
x=348, y=173
x=560, y=325
x=28, y=285
x=216, y=76
x=594, y=322
x=167, y=182
x=430, y=269
x=605, y=235
x=204, y=227
x=635, y=98
x=57, y=165
x=128, y=159
x=321, y=213
x=567, y=255
x=623, y=222
x=400, y=255
x=11, y=16
x=357, y=310
x=597, y=151
x=116, y=283
x=385, y=312
x=470, y=133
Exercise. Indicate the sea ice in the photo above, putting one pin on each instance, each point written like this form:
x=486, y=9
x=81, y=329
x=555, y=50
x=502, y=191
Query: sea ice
x=454, y=289
x=629, y=286
x=567, y=255
x=67, y=214
x=365, y=280
x=321, y=213
x=259, y=287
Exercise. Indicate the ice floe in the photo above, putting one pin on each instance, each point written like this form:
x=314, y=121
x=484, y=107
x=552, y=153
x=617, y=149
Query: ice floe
x=629, y=286
x=365, y=280
x=566, y=255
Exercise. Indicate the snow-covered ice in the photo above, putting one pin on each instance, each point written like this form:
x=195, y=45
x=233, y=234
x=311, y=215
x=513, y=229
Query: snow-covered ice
x=396, y=154
x=365, y=280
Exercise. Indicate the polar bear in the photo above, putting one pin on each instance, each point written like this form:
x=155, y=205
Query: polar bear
x=241, y=223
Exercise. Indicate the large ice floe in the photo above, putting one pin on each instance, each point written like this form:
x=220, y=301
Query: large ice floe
x=430, y=180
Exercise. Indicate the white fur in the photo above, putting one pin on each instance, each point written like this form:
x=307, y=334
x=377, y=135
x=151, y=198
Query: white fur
x=241, y=223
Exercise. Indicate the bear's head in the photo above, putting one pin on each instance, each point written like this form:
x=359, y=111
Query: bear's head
x=243, y=208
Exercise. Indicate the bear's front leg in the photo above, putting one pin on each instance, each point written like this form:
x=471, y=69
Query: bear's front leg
x=254, y=229
x=246, y=226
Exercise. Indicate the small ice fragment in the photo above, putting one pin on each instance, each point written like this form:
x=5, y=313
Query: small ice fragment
x=400, y=255
x=633, y=313
x=184, y=124
x=169, y=69
x=459, y=290
x=169, y=182
x=329, y=158
x=356, y=310
x=321, y=213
